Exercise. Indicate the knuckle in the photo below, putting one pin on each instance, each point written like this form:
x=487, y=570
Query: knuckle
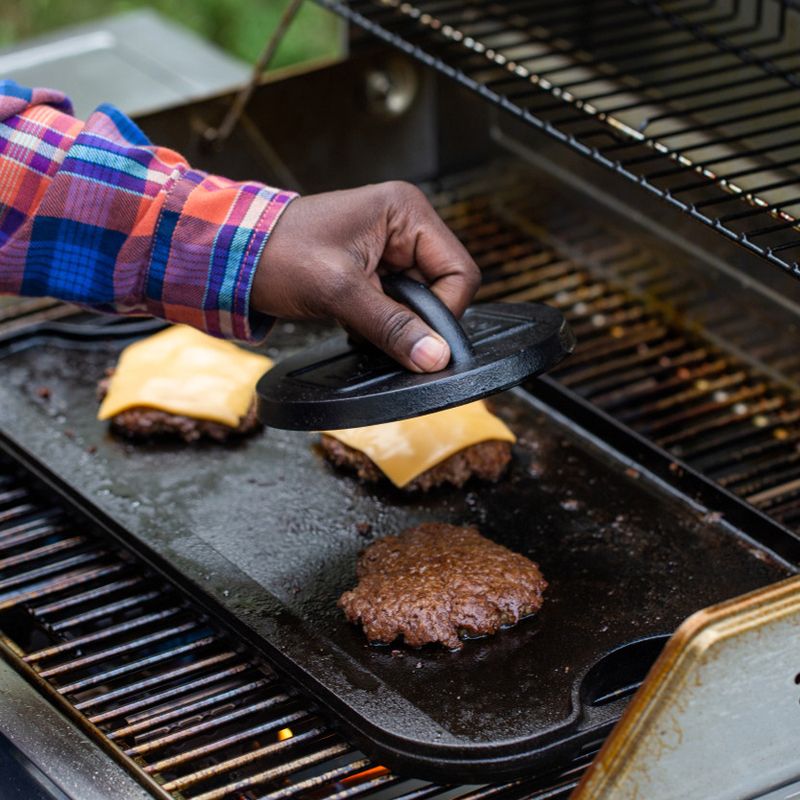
x=406, y=192
x=473, y=277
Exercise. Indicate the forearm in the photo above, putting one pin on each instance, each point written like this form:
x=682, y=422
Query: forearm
x=95, y=215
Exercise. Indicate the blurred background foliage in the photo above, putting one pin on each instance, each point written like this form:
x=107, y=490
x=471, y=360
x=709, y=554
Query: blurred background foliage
x=239, y=26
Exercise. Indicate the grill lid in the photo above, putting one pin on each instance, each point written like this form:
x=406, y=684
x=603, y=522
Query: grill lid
x=344, y=384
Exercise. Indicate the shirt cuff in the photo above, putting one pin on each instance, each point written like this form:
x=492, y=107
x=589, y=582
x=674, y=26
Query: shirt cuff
x=206, y=247
x=250, y=325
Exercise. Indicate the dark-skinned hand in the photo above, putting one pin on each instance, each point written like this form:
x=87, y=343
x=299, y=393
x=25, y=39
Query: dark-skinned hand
x=325, y=254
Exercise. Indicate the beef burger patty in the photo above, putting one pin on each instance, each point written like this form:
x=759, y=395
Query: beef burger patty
x=146, y=423
x=439, y=583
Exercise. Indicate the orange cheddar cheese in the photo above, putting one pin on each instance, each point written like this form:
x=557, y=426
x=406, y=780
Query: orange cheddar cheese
x=405, y=449
x=185, y=372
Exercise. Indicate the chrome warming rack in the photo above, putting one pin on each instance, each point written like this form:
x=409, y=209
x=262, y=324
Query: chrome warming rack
x=694, y=100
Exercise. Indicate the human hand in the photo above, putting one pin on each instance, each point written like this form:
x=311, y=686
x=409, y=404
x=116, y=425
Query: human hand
x=324, y=256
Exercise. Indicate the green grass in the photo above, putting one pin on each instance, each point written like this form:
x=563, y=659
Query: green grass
x=239, y=26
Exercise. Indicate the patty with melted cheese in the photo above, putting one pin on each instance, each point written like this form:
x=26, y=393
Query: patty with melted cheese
x=182, y=383
x=446, y=447
x=486, y=461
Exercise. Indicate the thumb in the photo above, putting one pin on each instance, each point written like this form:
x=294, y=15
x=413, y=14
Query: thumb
x=393, y=328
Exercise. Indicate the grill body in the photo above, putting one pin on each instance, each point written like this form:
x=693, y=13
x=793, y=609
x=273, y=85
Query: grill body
x=682, y=340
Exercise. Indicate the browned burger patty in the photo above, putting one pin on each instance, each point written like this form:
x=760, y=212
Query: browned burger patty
x=486, y=460
x=146, y=423
x=436, y=583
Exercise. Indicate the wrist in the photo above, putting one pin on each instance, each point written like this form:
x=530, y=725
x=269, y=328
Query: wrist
x=261, y=289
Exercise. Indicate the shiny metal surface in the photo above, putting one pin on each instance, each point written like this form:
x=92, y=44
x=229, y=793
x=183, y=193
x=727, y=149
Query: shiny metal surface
x=139, y=61
x=72, y=762
x=716, y=715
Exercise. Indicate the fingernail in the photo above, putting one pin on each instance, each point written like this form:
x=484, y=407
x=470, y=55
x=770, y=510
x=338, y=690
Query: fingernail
x=428, y=352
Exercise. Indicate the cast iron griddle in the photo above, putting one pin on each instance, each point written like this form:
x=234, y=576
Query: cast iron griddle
x=271, y=533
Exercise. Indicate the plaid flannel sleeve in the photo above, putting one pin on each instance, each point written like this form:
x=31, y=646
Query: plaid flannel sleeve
x=92, y=213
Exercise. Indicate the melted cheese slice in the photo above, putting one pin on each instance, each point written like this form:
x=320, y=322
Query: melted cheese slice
x=183, y=371
x=405, y=449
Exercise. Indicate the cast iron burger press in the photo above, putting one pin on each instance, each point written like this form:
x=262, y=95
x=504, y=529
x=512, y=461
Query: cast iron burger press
x=343, y=384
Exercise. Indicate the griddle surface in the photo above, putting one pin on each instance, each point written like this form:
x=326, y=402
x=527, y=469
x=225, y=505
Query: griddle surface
x=267, y=528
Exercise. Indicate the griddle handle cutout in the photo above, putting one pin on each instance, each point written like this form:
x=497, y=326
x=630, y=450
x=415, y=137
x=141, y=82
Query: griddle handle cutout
x=423, y=302
x=607, y=687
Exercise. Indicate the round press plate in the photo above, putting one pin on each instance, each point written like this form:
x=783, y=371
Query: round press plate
x=337, y=384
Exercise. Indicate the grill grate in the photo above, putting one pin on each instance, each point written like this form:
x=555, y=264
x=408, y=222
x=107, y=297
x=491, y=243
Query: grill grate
x=636, y=358
x=694, y=100
x=192, y=712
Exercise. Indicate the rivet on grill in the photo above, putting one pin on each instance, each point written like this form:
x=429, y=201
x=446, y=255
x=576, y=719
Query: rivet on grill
x=781, y=434
x=617, y=331
x=701, y=385
x=720, y=396
x=740, y=409
x=760, y=421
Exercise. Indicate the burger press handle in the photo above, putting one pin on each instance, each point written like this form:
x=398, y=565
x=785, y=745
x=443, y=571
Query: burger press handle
x=425, y=304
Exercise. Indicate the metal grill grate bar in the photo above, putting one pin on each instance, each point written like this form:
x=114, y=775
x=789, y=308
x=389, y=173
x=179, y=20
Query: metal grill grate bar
x=288, y=767
x=151, y=700
x=89, y=638
x=238, y=761
x=148, y=721
x=82, y=597
x=106, y=611
x=154, y=680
